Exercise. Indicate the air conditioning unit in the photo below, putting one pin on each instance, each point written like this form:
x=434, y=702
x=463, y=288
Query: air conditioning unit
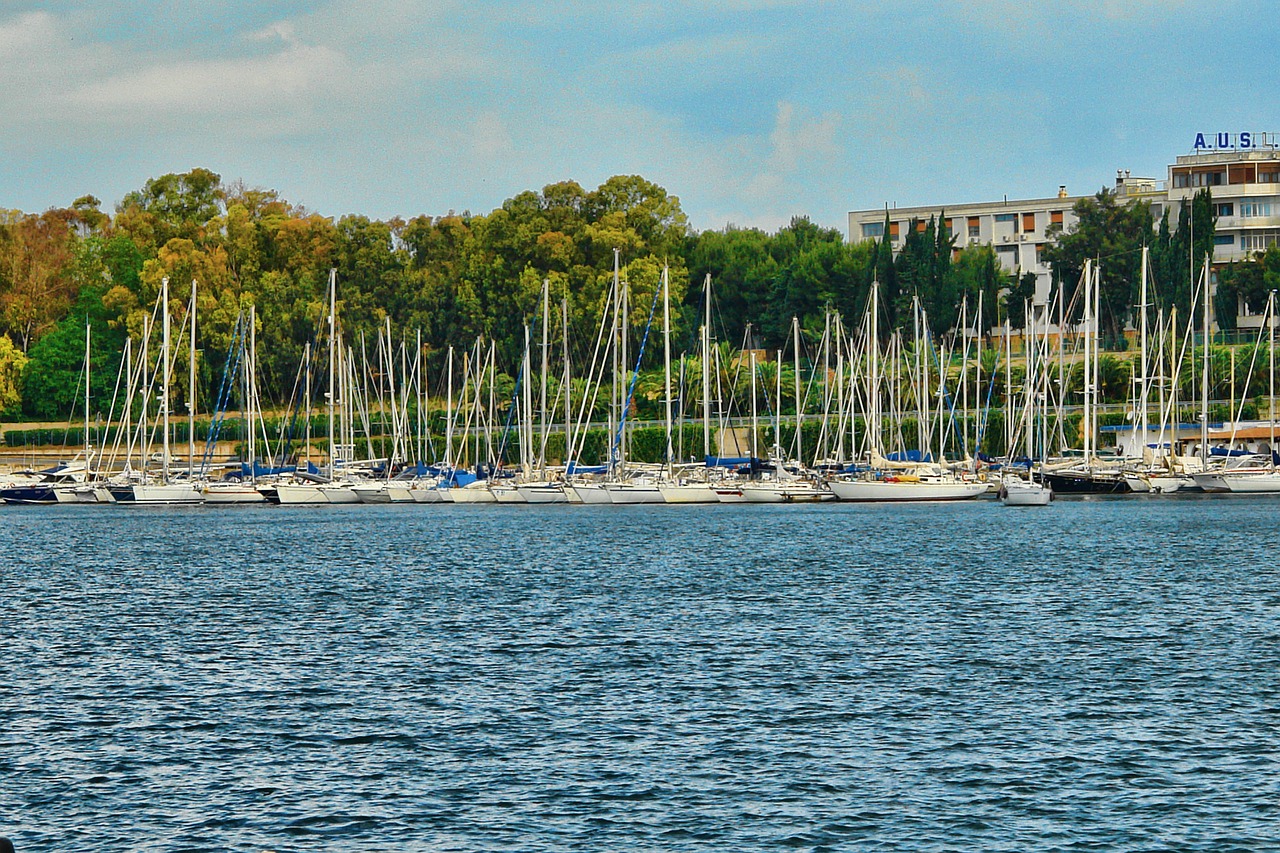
x=1022, y=237
x=1004, y=238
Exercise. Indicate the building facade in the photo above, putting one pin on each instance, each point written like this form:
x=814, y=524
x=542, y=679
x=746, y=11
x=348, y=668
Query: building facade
x=1018, y=230
x=1241, y=170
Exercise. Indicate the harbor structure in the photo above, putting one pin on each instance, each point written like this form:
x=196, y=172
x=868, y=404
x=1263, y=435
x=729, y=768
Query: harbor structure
x=1241, y=171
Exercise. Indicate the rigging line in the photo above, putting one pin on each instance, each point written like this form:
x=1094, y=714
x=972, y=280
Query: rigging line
x=636, y=373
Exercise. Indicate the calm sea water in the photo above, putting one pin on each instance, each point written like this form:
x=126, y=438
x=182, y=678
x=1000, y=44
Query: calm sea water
x=1095, y=675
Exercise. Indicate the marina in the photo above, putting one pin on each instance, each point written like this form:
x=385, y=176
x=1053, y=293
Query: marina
x=863, y=390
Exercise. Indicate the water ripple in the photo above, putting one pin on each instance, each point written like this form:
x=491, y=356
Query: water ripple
x=1100, y=675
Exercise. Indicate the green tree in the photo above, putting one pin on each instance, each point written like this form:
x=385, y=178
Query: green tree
x=53, y=384
x=1112, y=235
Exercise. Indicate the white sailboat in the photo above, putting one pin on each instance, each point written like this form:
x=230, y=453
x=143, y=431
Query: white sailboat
x=1014, y=490
x=885, y=480
x=1266, y=481
x=167, y=490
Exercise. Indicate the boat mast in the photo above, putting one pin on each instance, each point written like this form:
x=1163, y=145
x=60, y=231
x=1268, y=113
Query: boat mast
x=1029, y=382
x=978, y=407
x=164, y=360
x=542, y=405
x=777, y=408
x=1204, y=369
x=613, y=346
x=251, y=371
x=1086, y=419
x=333, y=385
x=839, y=345
x=526, y=404
x=874, y=424
x=706, y=367
x=568, y=387
x=1271, y=373
x=191, y=390
x=755, y=423
x=624, y=331
x=88, y=465
x=918, y=386
x=448, y=421
x=795, y=356
x=666, y=360
x=1008, y=378
x=1142, y=358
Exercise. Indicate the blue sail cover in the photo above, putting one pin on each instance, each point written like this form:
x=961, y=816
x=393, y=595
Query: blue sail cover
x=909, y=456
x=730, y=461
x=458, y=479
x=260, y=470
x=579, y=468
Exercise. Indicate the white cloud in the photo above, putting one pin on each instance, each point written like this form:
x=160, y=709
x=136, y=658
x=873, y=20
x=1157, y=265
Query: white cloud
x=26, y=33
x=216, y=86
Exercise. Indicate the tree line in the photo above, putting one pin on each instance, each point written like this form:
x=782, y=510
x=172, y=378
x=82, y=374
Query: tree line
x=459, y=276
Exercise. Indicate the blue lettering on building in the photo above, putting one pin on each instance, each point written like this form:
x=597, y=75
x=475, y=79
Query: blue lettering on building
x=1243, y=141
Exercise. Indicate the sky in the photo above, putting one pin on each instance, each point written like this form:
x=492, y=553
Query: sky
x=750, y=111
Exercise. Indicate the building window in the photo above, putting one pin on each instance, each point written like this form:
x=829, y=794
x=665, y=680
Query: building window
x=1028, y=222
x=1251, y=209
x=973, y=227
x=1181, y=180
x=893, y=230
x=1208, y=179
x=1224, y=239
x=1246, y=173
x=1055, y=217
x=1258, y=241
x=1006, y=217
x=1225, y=209
x=1271, y=177
x=872, y=230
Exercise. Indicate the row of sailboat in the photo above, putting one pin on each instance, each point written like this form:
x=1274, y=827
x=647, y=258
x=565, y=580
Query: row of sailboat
x=882, y=381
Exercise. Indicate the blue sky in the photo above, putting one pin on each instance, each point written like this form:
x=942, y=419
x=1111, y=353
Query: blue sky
x=751, y=111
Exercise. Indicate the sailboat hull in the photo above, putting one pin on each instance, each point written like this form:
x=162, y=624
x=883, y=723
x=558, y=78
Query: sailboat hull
x=472, y=495
x=689, y=493
x=1268, y=483
x=1084, y=483
x=890, y=491
x=170, y=493
x=592, y=493
x=426, y=494
x=629, y=493
x=300, y=494
x=233, y=493
x=507, y=494
x=29, y=495
x=784, y=493
x=1022, y=493
x=544, y=493
x=339, y=494
x=372, y=493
